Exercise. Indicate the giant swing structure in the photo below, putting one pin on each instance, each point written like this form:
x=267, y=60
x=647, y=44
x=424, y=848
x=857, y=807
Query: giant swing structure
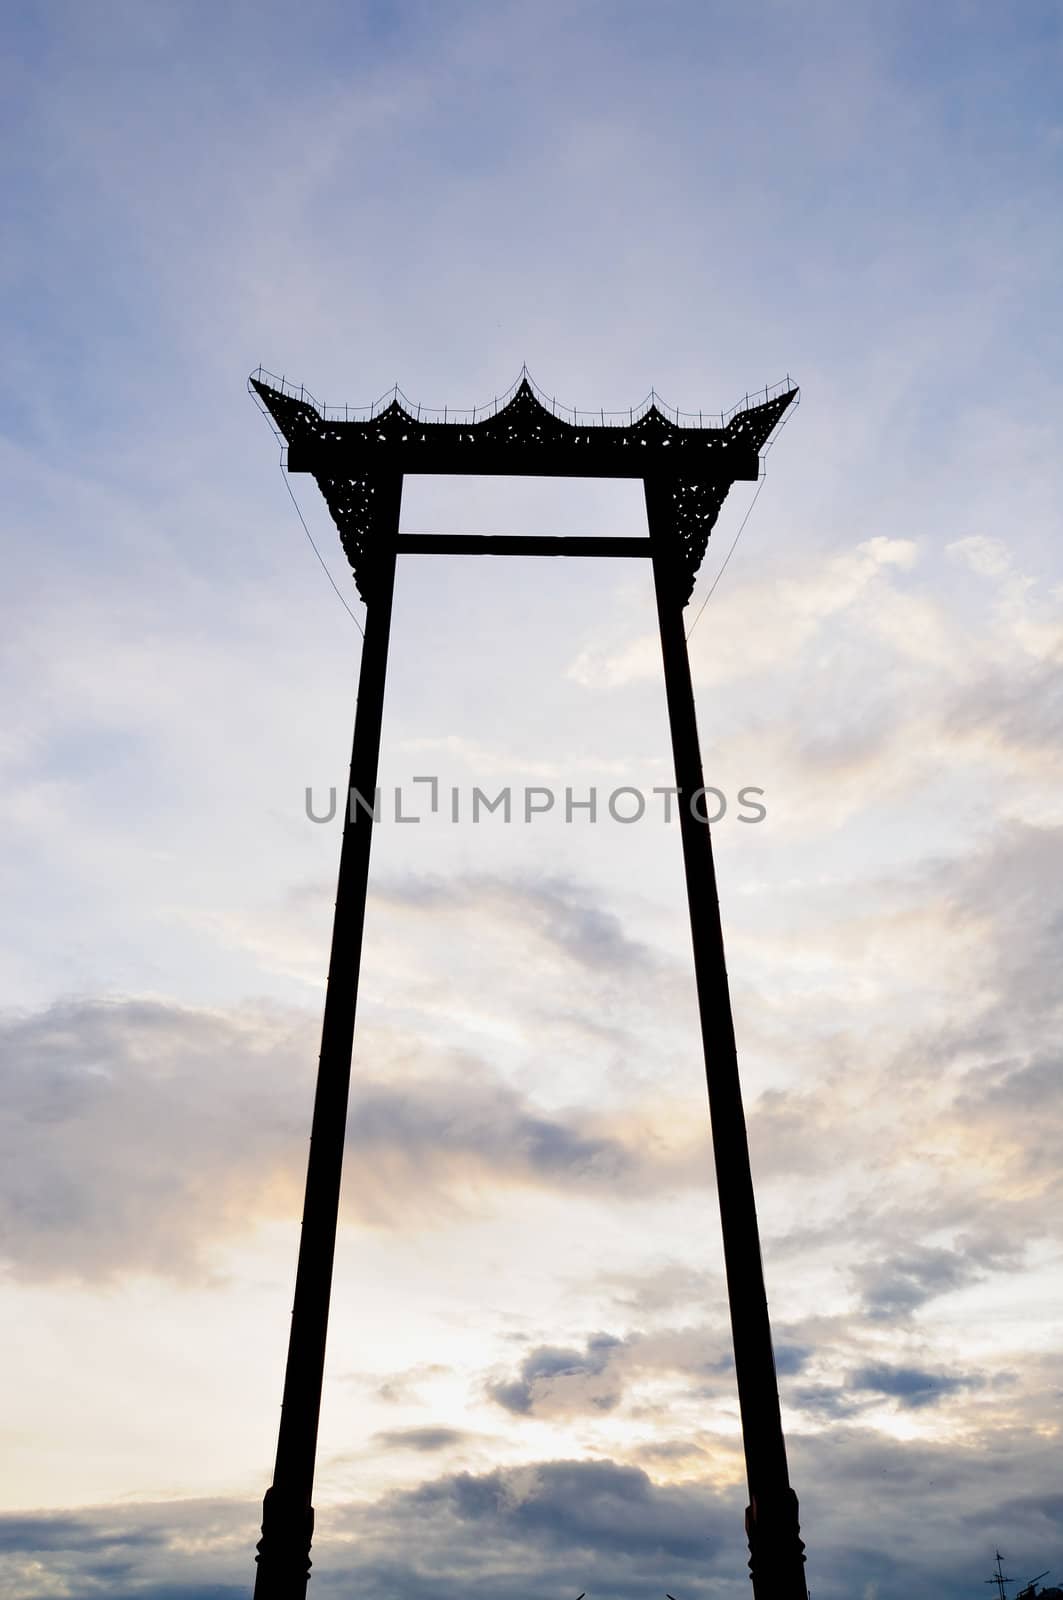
x=687, y=467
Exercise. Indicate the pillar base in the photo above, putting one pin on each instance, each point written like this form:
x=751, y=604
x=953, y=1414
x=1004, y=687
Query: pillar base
x=284, y=1548
x=776, y=1550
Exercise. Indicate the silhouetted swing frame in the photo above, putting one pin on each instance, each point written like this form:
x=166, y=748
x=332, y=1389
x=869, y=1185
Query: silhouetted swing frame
x=359, y=464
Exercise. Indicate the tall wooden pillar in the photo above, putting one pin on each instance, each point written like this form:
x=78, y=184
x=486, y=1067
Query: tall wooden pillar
x=776, y=1553
x=287, y=1512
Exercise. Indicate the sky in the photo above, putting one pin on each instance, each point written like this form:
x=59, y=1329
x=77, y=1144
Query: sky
x=529, y=1388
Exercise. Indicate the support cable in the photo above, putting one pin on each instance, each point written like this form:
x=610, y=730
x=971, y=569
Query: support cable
x=742, y=524
x=726, y=559
x=299, y=514
x=317, y=552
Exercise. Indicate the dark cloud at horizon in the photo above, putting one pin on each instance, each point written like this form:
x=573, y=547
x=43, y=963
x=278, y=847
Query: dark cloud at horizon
x=549, y=1526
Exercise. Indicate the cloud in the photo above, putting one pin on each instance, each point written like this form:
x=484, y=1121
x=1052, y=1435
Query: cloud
x=454, y=1127
x=902, y=1517
x=989, y=558
x=124, y=1131
x=21, y=1533
x=555, y=1381
x=895, y=1288
x=426, y=1439
x=790, y=1358
x=172, y=1550
x=826, y=1403
x=1019, y=715
x=556, y=913
x=764, y=625
x=552, y=1380
x=909, y=1386
x=402, y=1388
x=507, y=1532
x=959, y=953
x=135, y=1133
x=667, y=1288
x=578, y=1506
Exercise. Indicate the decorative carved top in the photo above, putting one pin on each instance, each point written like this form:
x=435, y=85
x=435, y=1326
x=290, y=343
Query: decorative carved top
x=691, y=466
x=523, y=436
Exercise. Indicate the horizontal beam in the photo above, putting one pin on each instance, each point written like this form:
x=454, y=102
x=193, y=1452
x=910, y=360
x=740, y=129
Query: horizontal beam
x=701, y=456
x=506, y=544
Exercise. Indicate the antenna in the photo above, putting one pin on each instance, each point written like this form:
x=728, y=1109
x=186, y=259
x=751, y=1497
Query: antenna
x=999, y=1579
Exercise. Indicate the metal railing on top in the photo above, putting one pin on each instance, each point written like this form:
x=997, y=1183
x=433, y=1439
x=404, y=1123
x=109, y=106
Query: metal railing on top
x=580, y=419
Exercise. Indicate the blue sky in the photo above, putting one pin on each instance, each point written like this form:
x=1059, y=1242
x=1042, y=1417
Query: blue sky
x=529, y=1384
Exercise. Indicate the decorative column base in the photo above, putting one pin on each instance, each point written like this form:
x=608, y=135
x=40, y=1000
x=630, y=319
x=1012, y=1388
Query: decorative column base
x=284, y=1548
x=776, y=1549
